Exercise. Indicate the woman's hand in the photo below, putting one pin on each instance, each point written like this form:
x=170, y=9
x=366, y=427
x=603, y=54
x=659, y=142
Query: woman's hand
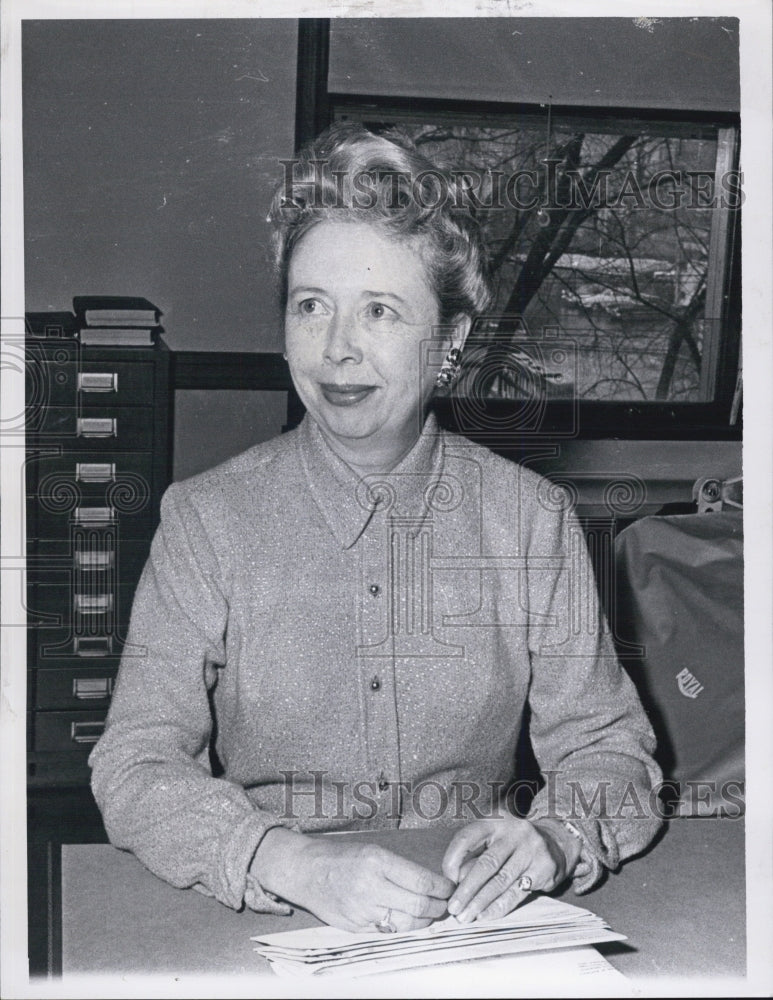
x=488, y=857
x=350, y=885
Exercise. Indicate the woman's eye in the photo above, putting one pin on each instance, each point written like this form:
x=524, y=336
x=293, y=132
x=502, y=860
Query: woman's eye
x=308, y=307
x=377, y=310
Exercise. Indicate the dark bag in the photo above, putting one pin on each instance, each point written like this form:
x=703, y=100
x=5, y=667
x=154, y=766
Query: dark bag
x=680, y=598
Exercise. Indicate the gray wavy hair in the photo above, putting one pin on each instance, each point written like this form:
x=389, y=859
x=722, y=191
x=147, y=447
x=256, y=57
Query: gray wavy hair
x=348, y=174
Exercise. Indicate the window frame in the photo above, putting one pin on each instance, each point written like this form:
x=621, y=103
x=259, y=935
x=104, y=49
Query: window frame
x=711, y=419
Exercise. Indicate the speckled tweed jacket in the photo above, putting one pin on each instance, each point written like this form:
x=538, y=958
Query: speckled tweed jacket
x=361, y=650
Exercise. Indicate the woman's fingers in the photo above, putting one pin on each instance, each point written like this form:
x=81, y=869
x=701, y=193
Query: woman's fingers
x=354, y=885
x=502, y=904
x=503, y=892
x=488, y=886
x=418, y=879
x=466, y=866
x=483, y=870
x=411, y=895
x=415, y=905
x=401, y=921
x=500, y=883
x=471, y=839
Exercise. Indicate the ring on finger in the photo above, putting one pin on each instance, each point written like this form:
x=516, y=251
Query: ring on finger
x=525, y=883
x=386, y=926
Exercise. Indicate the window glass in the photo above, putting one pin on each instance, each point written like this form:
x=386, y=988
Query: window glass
x=599, y=239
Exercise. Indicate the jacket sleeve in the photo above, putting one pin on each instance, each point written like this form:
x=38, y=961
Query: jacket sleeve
x=150, y=770
x=589, y=732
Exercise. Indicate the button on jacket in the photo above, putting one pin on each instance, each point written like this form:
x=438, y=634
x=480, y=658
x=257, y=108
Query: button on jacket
x=359, y=652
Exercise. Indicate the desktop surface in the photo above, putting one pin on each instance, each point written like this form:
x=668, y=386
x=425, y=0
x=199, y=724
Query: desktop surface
x=681, y=905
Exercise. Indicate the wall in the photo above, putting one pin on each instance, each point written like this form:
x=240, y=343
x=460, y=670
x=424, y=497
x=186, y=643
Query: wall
x=212, y=425
x=150, y=150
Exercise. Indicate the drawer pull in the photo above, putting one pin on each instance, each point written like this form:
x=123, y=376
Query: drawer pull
x=93, y=645
x=98, y=381
x=97, y=427
x=94, y=515
x=94, y=559
x=95, y=472
x=86, y=732
x=93, y=604
x=92, y=688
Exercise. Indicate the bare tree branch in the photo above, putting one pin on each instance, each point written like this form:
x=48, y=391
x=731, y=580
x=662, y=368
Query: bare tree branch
x=555, y=238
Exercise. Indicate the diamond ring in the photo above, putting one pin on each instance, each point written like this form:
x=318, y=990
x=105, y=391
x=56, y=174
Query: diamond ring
x=386, y=926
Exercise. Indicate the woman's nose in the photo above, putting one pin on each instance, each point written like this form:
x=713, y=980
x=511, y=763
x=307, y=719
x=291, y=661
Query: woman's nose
x=342, y=340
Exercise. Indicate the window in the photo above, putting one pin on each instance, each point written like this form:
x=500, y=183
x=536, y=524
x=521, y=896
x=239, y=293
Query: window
x=612, y=246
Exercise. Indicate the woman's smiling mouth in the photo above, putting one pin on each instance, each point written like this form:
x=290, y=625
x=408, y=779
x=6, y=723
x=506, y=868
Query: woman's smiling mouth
x=348, y=394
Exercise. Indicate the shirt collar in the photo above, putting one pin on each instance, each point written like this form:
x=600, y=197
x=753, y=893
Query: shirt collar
x=348, y=501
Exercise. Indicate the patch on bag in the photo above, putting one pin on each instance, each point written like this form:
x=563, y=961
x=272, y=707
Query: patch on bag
x=689, y=685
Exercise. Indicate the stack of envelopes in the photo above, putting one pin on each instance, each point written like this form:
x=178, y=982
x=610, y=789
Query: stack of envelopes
x=540, y=923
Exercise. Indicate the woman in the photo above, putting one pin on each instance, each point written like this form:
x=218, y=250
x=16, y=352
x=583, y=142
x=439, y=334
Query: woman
x=355, y=614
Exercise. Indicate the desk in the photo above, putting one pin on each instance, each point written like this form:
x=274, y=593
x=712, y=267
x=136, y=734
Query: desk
x=682, y=906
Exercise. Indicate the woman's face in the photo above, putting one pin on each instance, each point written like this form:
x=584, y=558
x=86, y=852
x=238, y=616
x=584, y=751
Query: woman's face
x=359, y=312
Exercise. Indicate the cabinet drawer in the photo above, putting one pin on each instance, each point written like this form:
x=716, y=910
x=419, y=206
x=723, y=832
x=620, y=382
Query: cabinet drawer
x=90, y=383
x=94, y=514
x=81, y=687
x=48, y=474
x=99, y=429
x=55, y=560
x=63, y=769
x=59, y=611
x=100, y=653
x=68, y=730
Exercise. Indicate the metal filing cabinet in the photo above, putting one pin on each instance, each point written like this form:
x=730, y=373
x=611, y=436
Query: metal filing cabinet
x=97, y=464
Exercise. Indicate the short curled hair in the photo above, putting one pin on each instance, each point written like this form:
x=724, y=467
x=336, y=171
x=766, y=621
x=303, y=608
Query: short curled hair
x=348, y=174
